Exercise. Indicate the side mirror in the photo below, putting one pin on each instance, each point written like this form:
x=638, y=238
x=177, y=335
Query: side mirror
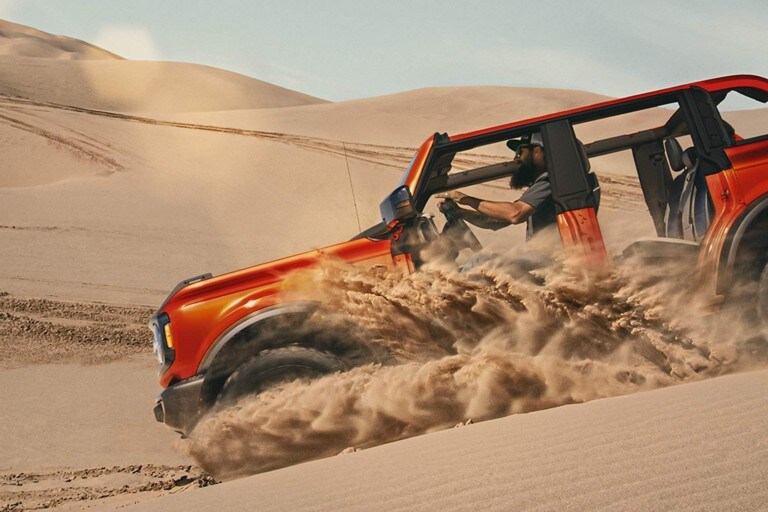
x=398, y=205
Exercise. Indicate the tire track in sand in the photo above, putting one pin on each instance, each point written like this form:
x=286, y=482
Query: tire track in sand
x=625, y=188
x=51, y=488
x=38, y=331
x=396, y=157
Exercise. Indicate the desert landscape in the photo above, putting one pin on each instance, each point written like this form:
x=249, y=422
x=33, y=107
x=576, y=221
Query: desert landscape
x=120, y=178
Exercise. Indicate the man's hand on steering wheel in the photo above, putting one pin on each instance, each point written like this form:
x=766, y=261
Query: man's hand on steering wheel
x=456, y=228
x=460, y=198
x=453, y=195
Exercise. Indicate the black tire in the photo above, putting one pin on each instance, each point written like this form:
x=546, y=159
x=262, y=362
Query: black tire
x=272, y=367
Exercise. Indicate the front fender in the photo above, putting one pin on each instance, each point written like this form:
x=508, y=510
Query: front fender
x=299, y=310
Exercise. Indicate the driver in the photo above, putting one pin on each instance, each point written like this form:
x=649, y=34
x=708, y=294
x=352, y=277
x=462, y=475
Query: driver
x=535, y=206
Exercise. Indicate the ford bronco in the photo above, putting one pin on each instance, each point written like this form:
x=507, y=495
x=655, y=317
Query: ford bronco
x=218, y=338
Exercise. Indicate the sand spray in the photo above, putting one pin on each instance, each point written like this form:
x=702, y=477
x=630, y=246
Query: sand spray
x=502, y=338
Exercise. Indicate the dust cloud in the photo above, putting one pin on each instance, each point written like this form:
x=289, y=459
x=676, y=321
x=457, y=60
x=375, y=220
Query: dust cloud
x=503, y=338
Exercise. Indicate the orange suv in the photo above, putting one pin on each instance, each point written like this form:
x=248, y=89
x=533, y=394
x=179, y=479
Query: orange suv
x=219, y=338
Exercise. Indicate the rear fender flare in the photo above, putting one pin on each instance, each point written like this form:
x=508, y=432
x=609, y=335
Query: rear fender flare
x=735, y=239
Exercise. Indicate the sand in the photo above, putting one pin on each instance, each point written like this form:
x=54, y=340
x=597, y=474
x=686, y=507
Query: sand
x=113, y=190
x=22, y=41
x=699, y=446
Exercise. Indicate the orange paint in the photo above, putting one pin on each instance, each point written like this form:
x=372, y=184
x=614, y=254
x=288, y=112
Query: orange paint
x=418, y=165
x=732, y=191
x=202, y=311
x=582, y=238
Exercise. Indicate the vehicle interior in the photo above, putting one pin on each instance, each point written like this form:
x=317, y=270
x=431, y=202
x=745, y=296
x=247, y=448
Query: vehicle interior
x=646, y=142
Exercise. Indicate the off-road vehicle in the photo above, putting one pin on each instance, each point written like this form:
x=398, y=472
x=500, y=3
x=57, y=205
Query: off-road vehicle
x=218, y=338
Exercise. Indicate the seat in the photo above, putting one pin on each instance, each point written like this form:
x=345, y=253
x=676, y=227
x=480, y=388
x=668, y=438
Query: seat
x=689, y=207
x=685, y=210
x=696, y=209
x=651, y=249
x=702, y=210
x=674, y=221
x=689, y=211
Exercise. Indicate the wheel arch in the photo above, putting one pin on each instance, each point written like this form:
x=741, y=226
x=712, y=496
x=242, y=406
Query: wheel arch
x=275, y=327
x=296, y=311
x=246, y=336
x=746, y=246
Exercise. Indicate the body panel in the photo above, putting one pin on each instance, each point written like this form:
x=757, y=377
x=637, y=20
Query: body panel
x=413, y=176
x=733, y=191
x=201, y=312
x=581, y=236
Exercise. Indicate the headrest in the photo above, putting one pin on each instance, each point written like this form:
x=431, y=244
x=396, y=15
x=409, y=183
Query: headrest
x=690, y=158
x=674, y=154
x=583, y=153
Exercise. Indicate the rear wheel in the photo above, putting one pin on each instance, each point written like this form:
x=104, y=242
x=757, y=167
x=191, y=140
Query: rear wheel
x=276, y=366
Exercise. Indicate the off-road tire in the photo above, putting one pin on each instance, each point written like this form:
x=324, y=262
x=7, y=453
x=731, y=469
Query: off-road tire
x=276, y=366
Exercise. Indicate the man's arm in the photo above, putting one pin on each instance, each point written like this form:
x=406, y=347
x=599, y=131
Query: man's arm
x=514, y=213
x=482, y=220
x=511, y=213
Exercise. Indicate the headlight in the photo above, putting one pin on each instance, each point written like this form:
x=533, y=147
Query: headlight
x=162, y=341
x=157, y=345
x=168, y=335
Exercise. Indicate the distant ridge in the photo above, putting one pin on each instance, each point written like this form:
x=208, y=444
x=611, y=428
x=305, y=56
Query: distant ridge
x=56, y=69
x=406, y=118
x=22, y=41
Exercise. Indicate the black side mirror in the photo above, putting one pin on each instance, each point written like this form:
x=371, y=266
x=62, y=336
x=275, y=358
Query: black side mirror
x=398, y=205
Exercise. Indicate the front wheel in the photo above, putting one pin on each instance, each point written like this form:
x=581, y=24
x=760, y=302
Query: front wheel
x=276, y=366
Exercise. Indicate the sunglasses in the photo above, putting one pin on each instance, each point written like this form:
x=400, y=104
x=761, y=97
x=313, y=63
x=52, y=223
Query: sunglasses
x=520, y=148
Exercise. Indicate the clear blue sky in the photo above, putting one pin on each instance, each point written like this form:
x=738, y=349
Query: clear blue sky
x=353, y=49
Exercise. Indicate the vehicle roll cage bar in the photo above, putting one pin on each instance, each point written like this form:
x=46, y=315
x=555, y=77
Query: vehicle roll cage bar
x=696, y=116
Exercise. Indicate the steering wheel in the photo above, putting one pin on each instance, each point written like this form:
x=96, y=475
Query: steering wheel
x=456, y=229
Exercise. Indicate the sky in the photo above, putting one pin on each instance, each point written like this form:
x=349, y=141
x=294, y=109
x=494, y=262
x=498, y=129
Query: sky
x=348, y=49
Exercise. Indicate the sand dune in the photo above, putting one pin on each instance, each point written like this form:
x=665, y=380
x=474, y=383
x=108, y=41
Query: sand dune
x=80, y=419
x=57, y=69
x=695, y=447
x=140, y=86
x=22, y=41
x=121, y=178
x=75, y=439
x=407, y=118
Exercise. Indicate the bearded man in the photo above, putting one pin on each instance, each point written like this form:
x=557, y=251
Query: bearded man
x=535, y=206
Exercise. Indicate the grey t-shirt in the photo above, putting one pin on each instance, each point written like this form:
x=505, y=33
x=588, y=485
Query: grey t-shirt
x=539, y=196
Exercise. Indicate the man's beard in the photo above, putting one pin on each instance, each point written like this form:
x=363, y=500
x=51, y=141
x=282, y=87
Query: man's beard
x=524, y=176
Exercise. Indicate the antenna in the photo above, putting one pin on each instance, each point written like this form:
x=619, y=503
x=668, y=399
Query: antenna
x=351, y=187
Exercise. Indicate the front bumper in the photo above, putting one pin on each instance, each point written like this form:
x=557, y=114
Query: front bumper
x=178, y=406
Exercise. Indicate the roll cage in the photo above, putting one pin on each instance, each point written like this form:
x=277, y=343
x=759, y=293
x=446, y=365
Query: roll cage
x=696, y=110
x=696, y=116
